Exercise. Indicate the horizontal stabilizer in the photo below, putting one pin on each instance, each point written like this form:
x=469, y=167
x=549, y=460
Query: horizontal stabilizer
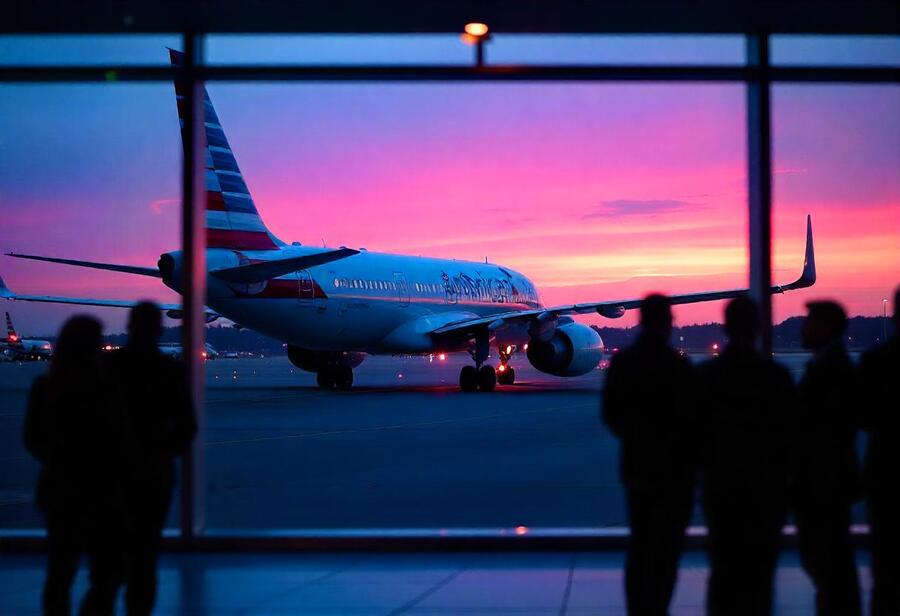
x=266, y=270
x=113, y=267
x=173, y=310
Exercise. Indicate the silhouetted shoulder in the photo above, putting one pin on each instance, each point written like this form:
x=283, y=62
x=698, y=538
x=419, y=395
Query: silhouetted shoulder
x=882, y=356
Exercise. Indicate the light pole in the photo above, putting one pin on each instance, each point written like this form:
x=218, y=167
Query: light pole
x=477, y=34
x=884, y=304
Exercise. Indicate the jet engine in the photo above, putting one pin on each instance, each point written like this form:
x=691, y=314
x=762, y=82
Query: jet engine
x=313, y=361
x=574, y=349
x=169, y=265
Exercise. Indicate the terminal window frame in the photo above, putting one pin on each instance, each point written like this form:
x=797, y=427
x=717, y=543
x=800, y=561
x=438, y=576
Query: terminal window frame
x=756, y=72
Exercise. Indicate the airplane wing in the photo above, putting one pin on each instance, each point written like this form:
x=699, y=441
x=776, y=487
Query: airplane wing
x=265, y=270
x=173, y=311
x=126, y=269
x=615, y=309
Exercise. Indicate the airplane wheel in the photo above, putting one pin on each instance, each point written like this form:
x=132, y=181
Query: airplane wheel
x=325, y=378
x=468, y=378
x=344, y=378
x=487, y=378
x=507, y=377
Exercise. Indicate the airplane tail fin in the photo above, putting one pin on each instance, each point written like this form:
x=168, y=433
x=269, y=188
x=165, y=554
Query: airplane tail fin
x=11, y=336
x=232, y=220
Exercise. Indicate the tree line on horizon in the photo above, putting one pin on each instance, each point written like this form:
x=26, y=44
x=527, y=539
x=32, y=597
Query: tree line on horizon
x=862, y=333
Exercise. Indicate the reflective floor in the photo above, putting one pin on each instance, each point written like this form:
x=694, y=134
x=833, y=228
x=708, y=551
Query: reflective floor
x=439, y=584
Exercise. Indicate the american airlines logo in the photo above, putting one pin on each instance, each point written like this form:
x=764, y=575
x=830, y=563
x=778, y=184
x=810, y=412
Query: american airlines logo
x=497, y=290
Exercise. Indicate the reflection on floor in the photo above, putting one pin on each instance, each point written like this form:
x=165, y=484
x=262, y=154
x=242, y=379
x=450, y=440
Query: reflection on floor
x=437, y=584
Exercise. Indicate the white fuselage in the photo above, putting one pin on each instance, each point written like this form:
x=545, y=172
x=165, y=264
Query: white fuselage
x=370, y=302
x=28, y=348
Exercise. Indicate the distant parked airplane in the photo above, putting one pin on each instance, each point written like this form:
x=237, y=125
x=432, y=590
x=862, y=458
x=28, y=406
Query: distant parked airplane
x=23, y=349
x=175, y=350
x=334, y=306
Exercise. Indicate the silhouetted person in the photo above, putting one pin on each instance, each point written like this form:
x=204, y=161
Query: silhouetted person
x=647, y=404
x=151, y=393
x=880, y=372
x=746, y=401
x=826, y=467
x=70, y=430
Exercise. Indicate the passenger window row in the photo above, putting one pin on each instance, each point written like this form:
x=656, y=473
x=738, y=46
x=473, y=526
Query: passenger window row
x=369, y=285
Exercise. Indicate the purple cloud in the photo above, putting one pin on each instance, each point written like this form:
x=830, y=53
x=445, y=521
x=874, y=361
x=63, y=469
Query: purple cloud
x=640, y=207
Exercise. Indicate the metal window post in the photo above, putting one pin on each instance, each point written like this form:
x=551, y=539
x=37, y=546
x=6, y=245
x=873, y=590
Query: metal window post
x=759, y=182
x=193, y=236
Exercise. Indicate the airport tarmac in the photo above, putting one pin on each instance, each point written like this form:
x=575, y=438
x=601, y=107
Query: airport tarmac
x=405, y=449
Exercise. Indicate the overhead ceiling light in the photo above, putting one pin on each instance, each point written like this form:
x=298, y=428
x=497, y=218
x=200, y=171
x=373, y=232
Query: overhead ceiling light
x=476, y=29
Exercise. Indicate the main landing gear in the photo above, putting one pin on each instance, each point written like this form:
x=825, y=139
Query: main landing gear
x=483, y=376
x=331, y=377
x=472, y=378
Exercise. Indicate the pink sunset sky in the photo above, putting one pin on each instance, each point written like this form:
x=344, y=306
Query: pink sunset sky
x=594, y=191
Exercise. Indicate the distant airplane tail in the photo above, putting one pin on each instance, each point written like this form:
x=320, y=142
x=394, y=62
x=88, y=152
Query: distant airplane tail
x=11, y=336
x=232, y=220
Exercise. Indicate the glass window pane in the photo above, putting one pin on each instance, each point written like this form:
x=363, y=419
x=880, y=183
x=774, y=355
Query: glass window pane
x=595, y=192
x=88, y=172
x=836, y=158
x=608, y=49
x=337, y=49
x=86, y=50
x=835, y=50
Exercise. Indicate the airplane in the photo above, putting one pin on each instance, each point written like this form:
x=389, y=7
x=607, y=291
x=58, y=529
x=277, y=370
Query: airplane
x=175, y=350
x=15, y=347
x=334, y=306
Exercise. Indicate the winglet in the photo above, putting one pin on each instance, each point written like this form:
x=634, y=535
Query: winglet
x=5, y=291
x=808, y=276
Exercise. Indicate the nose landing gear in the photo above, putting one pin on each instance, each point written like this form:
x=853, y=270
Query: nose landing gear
x=506, y=374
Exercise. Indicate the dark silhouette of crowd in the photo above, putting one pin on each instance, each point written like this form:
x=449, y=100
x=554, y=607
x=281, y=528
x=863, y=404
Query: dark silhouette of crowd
x=763, y=450
x=106, y=428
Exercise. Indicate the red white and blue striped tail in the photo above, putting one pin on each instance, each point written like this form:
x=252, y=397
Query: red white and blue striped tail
x=232, y=220
x=12, y=338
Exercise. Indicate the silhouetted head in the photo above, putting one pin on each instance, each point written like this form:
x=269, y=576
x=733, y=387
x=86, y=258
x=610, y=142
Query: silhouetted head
x=896, y=318
x=656, y=316
x=741, y=320
x=78, y=346
x=825, y=323
x=144, y=326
